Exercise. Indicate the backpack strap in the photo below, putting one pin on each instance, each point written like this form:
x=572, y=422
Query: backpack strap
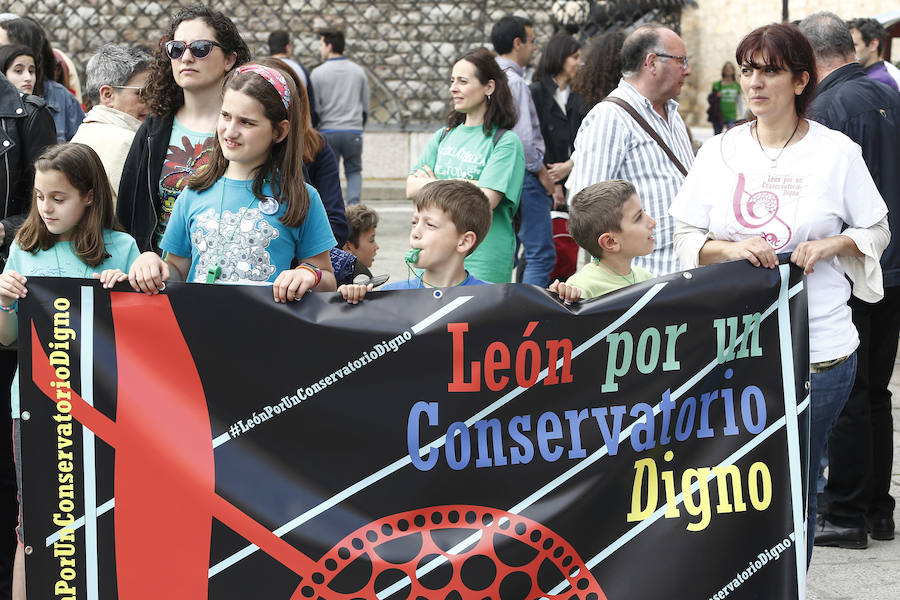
x=501, y=131
x=646, y=127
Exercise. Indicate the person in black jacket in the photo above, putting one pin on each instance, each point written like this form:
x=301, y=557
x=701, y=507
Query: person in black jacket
x=184, y=93
x=26, y=128
x=559, y=109
x=860, y=449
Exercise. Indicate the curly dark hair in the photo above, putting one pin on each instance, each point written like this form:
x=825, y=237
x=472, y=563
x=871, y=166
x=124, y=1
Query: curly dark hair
x=602, y=67
x=163, y=95
x=501, y=110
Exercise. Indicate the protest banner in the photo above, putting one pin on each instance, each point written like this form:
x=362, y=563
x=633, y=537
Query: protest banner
x=465, y=443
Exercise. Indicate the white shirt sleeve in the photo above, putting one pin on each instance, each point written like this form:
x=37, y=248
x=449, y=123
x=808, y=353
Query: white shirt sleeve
x=865, y=271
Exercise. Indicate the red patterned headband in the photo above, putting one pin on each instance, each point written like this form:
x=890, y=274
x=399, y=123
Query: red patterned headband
x=275, y=78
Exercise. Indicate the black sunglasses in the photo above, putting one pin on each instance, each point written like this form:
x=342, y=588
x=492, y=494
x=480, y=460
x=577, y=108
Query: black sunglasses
x=198, y=48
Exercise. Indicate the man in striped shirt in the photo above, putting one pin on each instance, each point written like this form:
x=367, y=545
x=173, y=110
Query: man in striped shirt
x=611, y=145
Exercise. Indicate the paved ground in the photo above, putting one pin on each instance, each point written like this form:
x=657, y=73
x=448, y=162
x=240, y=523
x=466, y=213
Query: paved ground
x=873, y=573
x=835, y=574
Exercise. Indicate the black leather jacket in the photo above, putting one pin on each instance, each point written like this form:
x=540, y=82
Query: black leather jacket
x=26, y=128
x=138, y=205
x=868, y=112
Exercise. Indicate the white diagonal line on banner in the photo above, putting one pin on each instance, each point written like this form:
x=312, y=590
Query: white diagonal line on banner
x=420, y=326
x=221, y=439
x=627, y=432
x=88, y=446
x=643, y=525
x=793, y=434
x=79, y=522
x=440, y=314
x=433, y=564
x=406, y=460
x=602, y=451
x=585, y=463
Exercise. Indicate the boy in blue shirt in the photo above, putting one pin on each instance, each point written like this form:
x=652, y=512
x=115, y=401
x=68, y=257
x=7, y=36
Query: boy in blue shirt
x=451, y=218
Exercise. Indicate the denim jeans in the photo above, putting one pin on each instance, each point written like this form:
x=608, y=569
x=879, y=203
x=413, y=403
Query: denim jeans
x=536, y=232
x=347, y=146
x=828, y=391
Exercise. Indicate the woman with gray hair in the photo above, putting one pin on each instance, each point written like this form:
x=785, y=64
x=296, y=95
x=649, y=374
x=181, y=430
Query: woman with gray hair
x=116, y=76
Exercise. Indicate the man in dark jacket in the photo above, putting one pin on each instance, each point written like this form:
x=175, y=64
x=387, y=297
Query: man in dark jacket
x=860, y=449
x=26, y=128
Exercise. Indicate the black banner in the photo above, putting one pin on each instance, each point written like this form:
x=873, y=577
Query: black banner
x=477, y=442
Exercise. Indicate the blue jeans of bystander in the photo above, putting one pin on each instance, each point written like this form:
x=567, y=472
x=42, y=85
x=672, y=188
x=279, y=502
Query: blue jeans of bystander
x=536, y=232
x=828, y=393
x=347, y=146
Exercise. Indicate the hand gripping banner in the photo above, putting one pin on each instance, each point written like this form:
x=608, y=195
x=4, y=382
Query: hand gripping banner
x=477, y=442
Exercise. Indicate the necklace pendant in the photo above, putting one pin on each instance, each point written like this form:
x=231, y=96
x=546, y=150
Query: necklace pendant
x=213, y=274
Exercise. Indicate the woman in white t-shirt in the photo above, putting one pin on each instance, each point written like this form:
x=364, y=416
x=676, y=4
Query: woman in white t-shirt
x=782, y=183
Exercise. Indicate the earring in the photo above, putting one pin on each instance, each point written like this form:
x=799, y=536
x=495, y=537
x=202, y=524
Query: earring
x=489, y=98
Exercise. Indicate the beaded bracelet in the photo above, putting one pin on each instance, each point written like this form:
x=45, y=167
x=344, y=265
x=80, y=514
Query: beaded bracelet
x=11, y=308
x=312, y=269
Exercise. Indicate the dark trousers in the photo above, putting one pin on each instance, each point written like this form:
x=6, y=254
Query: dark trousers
x=860, y=449
x=9, y=505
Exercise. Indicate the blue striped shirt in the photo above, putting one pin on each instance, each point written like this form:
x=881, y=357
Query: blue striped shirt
x=611, y=145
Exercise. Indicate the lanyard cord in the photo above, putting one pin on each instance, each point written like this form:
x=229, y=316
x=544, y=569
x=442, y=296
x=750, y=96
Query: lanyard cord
x=628, y=281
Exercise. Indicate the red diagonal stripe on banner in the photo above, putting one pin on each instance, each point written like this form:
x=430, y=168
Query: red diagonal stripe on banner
x=42, y=373
x=163, y=415
x=163, y=530
x=267, y=541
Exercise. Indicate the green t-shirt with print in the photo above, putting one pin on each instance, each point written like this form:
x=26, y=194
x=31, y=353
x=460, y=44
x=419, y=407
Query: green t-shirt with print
x=466, y=153
x=728, y=100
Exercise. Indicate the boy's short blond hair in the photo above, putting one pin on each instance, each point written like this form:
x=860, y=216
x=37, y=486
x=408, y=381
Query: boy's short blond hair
x=465, y=203
x=360, y=218
x=597, y=209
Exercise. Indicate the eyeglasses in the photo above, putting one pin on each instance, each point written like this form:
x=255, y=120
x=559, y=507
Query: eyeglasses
x=682, y=59
x=198, y=48
x=139, y=90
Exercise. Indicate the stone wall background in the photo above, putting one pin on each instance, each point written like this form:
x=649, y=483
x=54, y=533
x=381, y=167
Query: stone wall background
x=407, y=47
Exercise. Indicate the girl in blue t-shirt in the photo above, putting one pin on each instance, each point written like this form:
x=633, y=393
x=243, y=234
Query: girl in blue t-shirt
x=71, y=231
x=248, y=215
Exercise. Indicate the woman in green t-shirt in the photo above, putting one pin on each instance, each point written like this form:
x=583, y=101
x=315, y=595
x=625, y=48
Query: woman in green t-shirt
x=470, y=148
x=729, y=92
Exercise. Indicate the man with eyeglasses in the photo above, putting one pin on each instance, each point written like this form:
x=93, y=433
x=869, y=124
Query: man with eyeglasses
x=612, y=144
x=116, y=76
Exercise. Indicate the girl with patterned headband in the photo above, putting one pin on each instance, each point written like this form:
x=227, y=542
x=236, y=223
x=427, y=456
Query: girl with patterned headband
x=248, y=215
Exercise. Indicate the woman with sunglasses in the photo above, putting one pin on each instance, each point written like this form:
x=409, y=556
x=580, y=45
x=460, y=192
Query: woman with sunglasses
x=184, y=93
